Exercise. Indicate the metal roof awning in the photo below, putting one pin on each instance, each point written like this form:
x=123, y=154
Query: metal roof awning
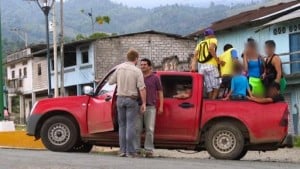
x=287, y=17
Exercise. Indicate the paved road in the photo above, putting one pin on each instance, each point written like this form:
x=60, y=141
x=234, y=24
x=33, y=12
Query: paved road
x=23, y=159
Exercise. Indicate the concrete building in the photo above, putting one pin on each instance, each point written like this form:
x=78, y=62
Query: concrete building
x=167, y=51
x=78, y=68
x=19, y=83
x=280, y=23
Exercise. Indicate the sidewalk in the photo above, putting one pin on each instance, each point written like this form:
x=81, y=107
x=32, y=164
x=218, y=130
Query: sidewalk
x=19, y=139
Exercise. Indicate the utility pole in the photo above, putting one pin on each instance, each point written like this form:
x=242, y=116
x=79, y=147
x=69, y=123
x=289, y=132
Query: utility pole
x=1, y=74
x=62, y=84
x=55, y=53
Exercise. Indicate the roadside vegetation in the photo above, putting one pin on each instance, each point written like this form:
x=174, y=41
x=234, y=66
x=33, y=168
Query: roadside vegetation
x=297, y=142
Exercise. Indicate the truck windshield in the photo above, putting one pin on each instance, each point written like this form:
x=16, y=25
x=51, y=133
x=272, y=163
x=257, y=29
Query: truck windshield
x=107, y=88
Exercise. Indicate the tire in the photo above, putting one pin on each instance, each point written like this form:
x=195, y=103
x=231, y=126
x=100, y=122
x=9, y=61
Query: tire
x=225, y=141
x=242, y=155
x=82, y=147
x=59, y=134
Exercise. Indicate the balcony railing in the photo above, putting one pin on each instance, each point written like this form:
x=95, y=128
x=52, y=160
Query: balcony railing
x=293, y=65
x=14, y=86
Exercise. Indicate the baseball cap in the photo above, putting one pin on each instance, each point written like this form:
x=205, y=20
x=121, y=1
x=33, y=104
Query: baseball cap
x=208, y=32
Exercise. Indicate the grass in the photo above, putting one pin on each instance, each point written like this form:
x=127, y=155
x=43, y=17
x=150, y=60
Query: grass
x=297, y=142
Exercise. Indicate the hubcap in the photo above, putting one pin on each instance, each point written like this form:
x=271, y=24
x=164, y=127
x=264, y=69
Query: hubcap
x=224, y=141
x=59, y=134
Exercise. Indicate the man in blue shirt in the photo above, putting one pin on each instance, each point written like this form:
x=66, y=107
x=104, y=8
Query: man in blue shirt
x=239, y=85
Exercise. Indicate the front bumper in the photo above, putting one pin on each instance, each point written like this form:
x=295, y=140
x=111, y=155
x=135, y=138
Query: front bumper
x=288, y=142
x=33, y=124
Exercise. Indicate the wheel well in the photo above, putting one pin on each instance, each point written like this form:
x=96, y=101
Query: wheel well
x=50, y=114
x=231, y=120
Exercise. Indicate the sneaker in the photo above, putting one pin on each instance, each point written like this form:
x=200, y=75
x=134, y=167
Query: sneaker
x=122, y=155
x=149, y=154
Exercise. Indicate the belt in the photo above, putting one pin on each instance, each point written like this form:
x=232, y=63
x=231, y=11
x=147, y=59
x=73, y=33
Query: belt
x=147, y=104
x=131, y=97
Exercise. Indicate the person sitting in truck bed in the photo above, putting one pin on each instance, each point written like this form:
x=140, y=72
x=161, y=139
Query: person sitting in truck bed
x=273, y=95
x=239, y=85
x=183, y=92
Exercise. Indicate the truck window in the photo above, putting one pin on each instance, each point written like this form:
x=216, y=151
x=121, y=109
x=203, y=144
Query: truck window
x=177, y=86
x=105, y=87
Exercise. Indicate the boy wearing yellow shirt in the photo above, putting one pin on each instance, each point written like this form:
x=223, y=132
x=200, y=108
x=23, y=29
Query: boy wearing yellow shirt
x=229, y=58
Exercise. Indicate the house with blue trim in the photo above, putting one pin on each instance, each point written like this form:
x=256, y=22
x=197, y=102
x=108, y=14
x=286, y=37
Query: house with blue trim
x=279, y=22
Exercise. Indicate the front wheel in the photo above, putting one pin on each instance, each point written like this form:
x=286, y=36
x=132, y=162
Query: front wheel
x=59, y=133
x=225, y=141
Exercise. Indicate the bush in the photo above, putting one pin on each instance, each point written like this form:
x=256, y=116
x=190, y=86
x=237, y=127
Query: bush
x=297, y=142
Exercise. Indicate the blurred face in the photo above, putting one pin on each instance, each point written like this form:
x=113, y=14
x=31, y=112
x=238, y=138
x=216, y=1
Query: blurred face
x=145, y=67
x=250, y=49
x=269, y=50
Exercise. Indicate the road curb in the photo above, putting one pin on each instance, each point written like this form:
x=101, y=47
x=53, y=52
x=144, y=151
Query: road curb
x=19, y=140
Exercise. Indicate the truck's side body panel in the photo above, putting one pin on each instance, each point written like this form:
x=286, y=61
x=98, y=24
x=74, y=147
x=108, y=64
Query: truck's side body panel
x=75, y=106
x=264, y=121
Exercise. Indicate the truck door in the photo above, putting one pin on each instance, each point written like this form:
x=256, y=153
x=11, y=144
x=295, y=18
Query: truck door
x=101, y=109
x=180, y=118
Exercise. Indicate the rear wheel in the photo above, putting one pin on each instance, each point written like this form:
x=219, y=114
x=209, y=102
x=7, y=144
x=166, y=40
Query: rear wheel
x=59, y=133
x=225, y=141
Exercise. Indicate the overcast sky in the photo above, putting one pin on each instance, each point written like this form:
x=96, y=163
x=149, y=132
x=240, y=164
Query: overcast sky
x=155, y=3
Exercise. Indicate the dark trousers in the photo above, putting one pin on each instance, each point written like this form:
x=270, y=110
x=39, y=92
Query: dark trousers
x=296, y=123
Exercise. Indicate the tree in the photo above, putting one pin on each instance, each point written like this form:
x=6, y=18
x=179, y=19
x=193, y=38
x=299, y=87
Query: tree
x=98, y=19
x=80, y=37
x=96, y=35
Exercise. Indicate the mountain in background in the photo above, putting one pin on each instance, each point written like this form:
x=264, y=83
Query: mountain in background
x=177, y=19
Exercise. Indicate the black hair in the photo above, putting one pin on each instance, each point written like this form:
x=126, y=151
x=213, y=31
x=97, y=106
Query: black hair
x=251, y=43
x=250, y=40
x=149, y=63
x=270, y=43
x=227, y=46
x=275, y=85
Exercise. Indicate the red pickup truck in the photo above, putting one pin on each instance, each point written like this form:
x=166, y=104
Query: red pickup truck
x=226, y=129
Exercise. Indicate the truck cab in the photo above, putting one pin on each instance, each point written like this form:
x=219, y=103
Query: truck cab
x=226, y=129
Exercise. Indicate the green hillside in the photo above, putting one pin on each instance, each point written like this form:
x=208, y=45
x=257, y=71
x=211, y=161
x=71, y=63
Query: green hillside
x=176, y=19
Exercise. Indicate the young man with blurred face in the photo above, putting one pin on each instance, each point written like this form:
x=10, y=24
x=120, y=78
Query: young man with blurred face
x=153, y=89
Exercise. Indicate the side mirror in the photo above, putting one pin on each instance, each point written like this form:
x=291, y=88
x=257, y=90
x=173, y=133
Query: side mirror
x=88, y=90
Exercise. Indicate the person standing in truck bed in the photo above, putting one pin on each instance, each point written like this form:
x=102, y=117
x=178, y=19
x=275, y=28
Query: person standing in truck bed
x=205, y=55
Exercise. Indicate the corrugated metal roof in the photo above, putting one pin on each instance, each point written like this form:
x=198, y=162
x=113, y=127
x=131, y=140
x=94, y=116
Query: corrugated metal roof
x=261, y=15
x=290, y=16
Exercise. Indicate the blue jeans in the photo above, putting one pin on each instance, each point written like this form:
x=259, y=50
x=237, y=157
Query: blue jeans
x=148, y=120
x=238, y=97
x=128, y=110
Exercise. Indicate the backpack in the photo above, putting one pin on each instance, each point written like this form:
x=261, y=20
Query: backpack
x=204, y=57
